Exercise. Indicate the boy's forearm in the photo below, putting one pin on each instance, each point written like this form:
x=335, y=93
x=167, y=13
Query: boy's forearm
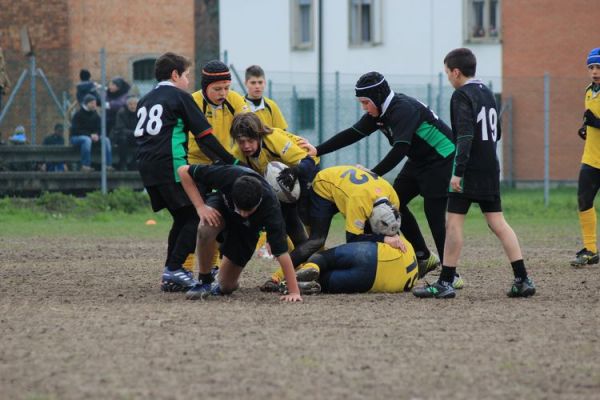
x=190, y=186
x=289, y=273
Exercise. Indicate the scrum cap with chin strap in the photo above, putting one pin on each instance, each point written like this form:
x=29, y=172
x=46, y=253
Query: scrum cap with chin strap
x=373, y=86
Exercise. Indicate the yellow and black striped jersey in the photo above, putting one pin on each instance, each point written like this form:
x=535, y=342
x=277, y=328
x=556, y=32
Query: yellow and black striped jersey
x=353, y=191
x=220, y=118
x=591, y=151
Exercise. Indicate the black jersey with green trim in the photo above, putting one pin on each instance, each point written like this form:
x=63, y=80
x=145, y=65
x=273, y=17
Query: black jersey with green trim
x=165, y=116
x=407, y=120
x=267, y=216
x=476, y=123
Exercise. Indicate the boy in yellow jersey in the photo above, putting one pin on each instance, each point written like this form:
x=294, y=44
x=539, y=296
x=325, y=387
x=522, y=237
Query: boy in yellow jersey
x=368, y=203
x=589, y=175
x=267, y=110
x=360, y=267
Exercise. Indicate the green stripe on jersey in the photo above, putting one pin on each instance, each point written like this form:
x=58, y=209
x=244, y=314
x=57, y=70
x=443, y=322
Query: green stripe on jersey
x=178, y=140
x=436, y=139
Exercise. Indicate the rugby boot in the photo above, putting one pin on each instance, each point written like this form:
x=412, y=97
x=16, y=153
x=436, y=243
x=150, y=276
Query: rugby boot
x=458, y=282
x=426, y=265
x=585, y=257
x=308, y=272
x=179, y=280
x=520, y=288
x=437, y=290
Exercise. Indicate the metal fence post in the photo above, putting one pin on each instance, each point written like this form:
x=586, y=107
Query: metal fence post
x=103, y=120
x=336, y=122
x=438, y=106
x=546, y=139
x=270, y=88
x=295, y=116
x=32, y=74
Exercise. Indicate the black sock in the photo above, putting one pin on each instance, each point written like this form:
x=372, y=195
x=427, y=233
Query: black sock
x=447, y=274
x=519, y=270
x=205, y=278
x=423, y=255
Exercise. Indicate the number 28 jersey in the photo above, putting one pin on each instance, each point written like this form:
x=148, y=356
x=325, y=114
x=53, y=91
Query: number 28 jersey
x=476, y=125
x=165, y=115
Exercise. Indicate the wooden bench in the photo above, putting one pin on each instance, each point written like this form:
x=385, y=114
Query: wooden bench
x=26, y=182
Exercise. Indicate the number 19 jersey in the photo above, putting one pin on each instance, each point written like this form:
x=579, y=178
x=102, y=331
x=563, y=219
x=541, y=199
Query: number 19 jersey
x=165, y=115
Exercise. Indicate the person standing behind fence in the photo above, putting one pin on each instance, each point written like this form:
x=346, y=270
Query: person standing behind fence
x=266, y=109
x=55, y=139
x=116, y=98
x=122, y=134
x=589, y=174
x=476, y=176
x=85, y=130
x=87, y=86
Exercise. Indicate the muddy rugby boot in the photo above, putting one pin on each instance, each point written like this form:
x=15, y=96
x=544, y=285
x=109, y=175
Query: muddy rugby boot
x=308, y=273
x=524, y=288
x=458, y=282
x=179, y=280
x=426, y=265
x=437, y=290
x=585, y=257
x=199, y=292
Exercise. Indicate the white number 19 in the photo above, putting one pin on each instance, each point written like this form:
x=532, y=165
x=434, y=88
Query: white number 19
x=493, y=120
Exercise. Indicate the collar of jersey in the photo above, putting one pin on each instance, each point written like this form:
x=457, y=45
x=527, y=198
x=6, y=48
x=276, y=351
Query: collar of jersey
x=254, y=108
x=474, y=80
x=387, y=102
x=165, y=83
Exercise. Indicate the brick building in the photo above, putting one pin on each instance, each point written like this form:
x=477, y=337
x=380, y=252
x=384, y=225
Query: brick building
x=554, y=37
x=67, y=35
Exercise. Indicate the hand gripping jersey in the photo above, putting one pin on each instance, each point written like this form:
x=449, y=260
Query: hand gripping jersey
x=220, y=118
x=165, y=116
x=591, y=151
x=353, y=191
x=476, y=124
x=280, y=146
x=269, y=113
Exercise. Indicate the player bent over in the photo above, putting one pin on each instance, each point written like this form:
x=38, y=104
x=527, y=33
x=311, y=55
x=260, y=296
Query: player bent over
x=165, y=115
x=589, y=175
x=476, y=178
x=241, y=205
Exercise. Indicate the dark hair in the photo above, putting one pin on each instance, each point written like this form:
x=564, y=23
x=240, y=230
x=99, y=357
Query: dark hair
x=169, y=62
x=58, y=127
x=84, y=75
x=254, y=71
x=248, y=125
x=463, y=59
x=246, y=192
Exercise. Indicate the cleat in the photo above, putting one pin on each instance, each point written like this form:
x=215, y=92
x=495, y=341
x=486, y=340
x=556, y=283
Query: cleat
x=309, y=288
x=307, y=273
x=179, y=280
x=585, y=257
x=215, y=289
x=270, y=286
x=199, y=292
x=458, y=282
x=427, y=265
x=437, y=290
x=522, y=289
x=214, y=272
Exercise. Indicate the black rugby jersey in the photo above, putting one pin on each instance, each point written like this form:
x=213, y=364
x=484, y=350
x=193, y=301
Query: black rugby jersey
x=268, y=214
x=476, y=124
x=407, y=120
x=165, y=115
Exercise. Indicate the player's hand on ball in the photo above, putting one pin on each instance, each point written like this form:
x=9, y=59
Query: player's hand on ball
x=455, y=184
x=582, y=132
x=208, y=215
x=291, y=297
x=395, y=242
x=288, y=177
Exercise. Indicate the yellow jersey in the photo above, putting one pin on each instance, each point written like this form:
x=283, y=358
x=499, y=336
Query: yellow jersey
x=269, y=113
x=591, y=151
x=220, y=118
x=280, y=146
x=353, y=191
x=396, y=271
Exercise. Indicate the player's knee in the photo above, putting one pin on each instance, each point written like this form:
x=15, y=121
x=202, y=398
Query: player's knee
x=228, y=287
x=584, y=202
x=207, y=233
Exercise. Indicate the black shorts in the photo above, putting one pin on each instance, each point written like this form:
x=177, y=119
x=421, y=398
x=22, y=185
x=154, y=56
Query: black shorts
x=459, y=203
x=238, y=240
x=432, y=180
x=170, y=196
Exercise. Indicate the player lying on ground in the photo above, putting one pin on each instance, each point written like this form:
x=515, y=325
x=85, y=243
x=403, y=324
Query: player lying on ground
x=476, y=179
x=241, y=205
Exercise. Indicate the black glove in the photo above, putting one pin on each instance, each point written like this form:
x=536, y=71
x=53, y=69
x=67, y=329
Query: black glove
x=582, y=132
x=590, y=119
x=287, y=177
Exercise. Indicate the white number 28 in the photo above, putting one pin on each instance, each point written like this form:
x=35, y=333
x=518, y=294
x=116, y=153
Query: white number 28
x=154, y=122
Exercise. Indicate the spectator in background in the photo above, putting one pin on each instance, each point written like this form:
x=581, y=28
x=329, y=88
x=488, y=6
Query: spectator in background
x=116, y=98
x=55, y=139
x=85, y=130
x=18, y=136
x=87, y=86
x=122, y=134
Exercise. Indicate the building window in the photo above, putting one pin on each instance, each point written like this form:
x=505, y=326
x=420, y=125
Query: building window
x=306, y=113
x=143, y=74
x=302, y=24
x=365, y=22
x=482, y=20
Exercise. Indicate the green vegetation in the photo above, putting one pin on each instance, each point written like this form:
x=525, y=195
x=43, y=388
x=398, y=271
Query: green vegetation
x=123, y=213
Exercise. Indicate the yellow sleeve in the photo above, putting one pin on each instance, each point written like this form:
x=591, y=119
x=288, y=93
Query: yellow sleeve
x=286, y=148
x=278, y=118
x=356, y=216
x=238, y=102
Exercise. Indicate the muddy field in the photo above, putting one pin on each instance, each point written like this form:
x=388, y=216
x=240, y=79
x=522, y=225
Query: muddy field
x=84, y=319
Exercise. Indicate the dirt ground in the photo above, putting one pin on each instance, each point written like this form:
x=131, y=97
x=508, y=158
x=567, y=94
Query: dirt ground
x=88, y=321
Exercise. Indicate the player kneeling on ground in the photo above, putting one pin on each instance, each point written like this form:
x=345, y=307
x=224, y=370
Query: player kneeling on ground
x=241, y=206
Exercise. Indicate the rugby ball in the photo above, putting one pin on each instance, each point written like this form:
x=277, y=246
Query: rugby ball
x=273, y=170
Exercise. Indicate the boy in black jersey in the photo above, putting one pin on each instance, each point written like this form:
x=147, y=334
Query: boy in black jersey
x=476, y=176
x=416, y=133
x=165, y=115
x=241, y=205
